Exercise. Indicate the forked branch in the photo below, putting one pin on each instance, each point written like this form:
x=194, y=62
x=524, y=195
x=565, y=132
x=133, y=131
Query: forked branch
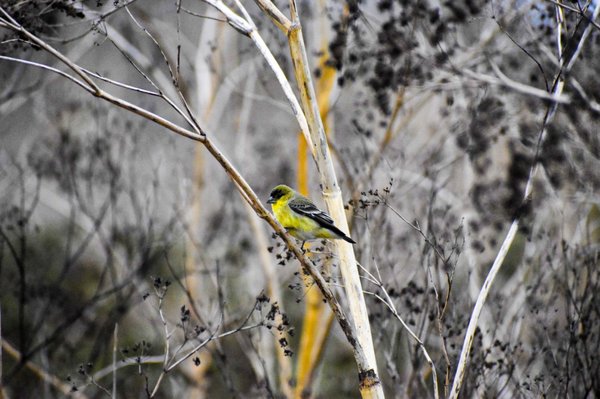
x=199, y=135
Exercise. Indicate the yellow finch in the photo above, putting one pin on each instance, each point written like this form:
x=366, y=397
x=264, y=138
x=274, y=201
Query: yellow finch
x=301, y=218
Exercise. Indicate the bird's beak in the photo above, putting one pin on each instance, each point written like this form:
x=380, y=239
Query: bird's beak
x=271, y=200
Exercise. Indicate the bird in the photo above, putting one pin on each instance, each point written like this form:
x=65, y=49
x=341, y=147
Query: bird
x=301, y=218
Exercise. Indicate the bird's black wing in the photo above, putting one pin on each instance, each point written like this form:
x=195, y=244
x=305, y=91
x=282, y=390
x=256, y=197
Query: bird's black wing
x=308, y=209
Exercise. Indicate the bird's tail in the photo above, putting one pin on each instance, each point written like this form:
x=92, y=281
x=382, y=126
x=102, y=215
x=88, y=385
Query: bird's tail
x=331, y=231
x=341, y=234
x=348, y=239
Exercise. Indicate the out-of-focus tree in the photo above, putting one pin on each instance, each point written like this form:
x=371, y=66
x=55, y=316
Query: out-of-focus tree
x=465, y=140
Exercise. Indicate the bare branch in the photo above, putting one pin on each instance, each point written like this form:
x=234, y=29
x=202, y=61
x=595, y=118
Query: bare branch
x=119, y=84
x=248, y=29
x=508, y=240
x=49, y=68
x=390, y=304
x=42, y=374
x=503, y=80
x=2, y=393
x=174, y=74
x=114, y=363
x=575, y=10
x=195, y=14
x=167, y=340
x=238, y=23
x=280, y=20
x=369, y=375
x=14, y=25
x=211, y=338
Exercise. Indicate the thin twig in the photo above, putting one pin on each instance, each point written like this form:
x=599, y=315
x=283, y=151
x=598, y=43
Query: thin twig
x=248, y=29
x=573, y=9
x=127, y=362
x=195, y=14
x=418, y=229
x=96, y=91
x=369, y=383
x=280, y=20
x=98, y=20
x=247, y=192
x=1, y=350
x=48, y=68
x=390, y=305
x=212, y=338
x=11, y=23
x=123, y=85
x=524, y=50
x=42, y=374
x=167, y=339
x=160, y=92
x=114, y=365
x=100, y=387
x=558, y=86
x=174, y=74
x=503, y=80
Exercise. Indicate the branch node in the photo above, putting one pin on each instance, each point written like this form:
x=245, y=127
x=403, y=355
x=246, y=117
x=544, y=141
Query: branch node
x=244, y=30
x=368, y=379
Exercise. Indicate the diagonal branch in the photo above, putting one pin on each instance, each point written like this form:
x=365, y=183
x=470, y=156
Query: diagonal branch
x=503, y=80
x=370, y=386
x=575, y=10
x=247, y=28
x=508, y=240
x=387, y=301
x=243, y=187
x=12, y=24
x=65, y=75
x=42, y=374
x=276, y=15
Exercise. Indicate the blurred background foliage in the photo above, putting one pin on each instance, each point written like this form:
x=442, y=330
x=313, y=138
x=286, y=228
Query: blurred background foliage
x=107, y=219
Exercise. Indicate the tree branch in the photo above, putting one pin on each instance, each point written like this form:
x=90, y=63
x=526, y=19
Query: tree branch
x=241, y=184
x=558, y=86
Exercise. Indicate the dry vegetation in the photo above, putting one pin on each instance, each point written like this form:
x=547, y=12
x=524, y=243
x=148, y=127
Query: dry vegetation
x=463, y=148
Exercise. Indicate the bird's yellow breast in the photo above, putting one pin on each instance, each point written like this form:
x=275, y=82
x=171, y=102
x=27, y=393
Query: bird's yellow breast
x=290, y=219
x=301, y=227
